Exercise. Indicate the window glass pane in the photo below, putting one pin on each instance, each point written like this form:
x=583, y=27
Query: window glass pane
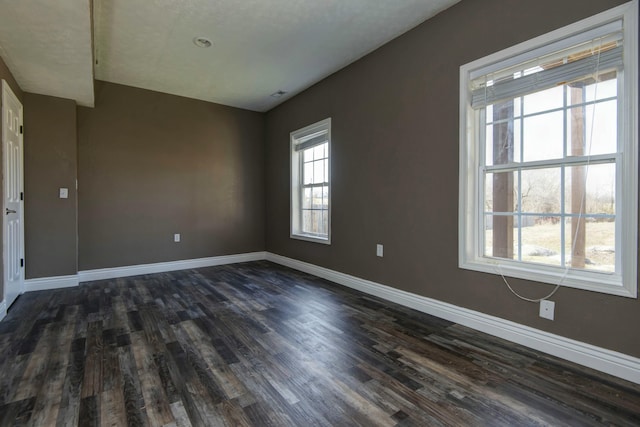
x=318, y=171
x=306, y=221
x=325, y=197
x=307, y=155
x=502, y=142
x=318, y=152
x=307, y=173
x=541, y=239
x=517, y=107
x=306, y=198
x=544, y=100
x=500, y=192
x=594, y=245
x=603, y=90
x=325, y=222
x=517, y=140
x=591, y=189
x=317, y=198
x=543, y=137
x=326, y=170
x=602, y=119
x=316, y=220
x=488, y=145
x=500, y=236
x=592, y=129
x=540, y=190
x=607, y=88
x=325, y=150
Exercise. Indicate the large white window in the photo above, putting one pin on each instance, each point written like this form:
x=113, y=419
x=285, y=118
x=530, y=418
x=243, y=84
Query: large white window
x=311, y=183
x=548, y=157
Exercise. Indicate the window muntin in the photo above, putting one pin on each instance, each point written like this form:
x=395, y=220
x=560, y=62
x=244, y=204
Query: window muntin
x=548, y=184
x=310, y=182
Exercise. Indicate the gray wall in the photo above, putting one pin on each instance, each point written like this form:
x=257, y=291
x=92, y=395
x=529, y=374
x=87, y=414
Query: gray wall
x=5, y=74
x=50, y=159
x=152, y=164
x=395, y=170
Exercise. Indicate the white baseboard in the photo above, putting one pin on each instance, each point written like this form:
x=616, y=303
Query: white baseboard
x=47, y=283
x=160, y=267
x=3, y=309
x=601, y=359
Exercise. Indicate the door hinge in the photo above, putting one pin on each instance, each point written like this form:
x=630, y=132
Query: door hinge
x=21, y=130
x=21, y=262
x=21, y=195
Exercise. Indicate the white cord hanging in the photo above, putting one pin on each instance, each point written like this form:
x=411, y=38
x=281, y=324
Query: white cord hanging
x=582, y=202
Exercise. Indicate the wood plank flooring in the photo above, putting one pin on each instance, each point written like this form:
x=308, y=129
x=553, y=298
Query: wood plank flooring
x=257, y=344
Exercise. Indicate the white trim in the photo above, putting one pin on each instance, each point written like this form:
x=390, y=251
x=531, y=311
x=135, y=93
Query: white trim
x=3, y=309
x=311, y=238
x=601, y=359
x=58, y=282
x=629, y=192
x=48, y=283
x=161, y=267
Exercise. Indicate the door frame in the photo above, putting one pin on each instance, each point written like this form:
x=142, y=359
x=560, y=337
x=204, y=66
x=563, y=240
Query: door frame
x=7, y=93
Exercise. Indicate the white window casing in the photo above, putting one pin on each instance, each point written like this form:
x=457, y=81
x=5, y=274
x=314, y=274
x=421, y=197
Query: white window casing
x=611, y=40
x=310, y=213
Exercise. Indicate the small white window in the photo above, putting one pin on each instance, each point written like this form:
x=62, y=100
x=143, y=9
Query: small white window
x=311, y=182
x=548, y=157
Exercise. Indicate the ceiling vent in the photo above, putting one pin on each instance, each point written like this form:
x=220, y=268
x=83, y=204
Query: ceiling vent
x=278, y=94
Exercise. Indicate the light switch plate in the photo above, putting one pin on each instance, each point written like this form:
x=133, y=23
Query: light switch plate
x=64, y=193
x=379, y=250
x=176, y=237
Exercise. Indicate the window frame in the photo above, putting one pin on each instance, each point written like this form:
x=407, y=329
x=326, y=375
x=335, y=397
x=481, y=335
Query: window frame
x=470, y=255
x=297, y=186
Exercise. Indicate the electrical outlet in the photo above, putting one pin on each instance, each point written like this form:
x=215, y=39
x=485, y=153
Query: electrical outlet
x=547, y=309
x=379, y=250
x=176, y=237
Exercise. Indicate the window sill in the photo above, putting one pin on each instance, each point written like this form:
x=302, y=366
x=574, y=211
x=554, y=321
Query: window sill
x=590, y=281
x=311, y=238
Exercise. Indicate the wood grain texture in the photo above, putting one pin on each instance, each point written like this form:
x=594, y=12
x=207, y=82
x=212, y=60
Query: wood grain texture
x=258, y=344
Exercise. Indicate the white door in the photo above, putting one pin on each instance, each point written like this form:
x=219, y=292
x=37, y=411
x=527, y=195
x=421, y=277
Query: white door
x=13, y=224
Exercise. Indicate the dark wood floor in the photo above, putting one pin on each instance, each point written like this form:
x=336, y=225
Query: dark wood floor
x=259, y=344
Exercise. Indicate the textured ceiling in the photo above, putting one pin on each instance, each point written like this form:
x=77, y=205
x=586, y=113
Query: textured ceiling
x=259, y=46
x=47, y=46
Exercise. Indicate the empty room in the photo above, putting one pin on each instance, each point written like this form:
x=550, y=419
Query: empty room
x=328, y=213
